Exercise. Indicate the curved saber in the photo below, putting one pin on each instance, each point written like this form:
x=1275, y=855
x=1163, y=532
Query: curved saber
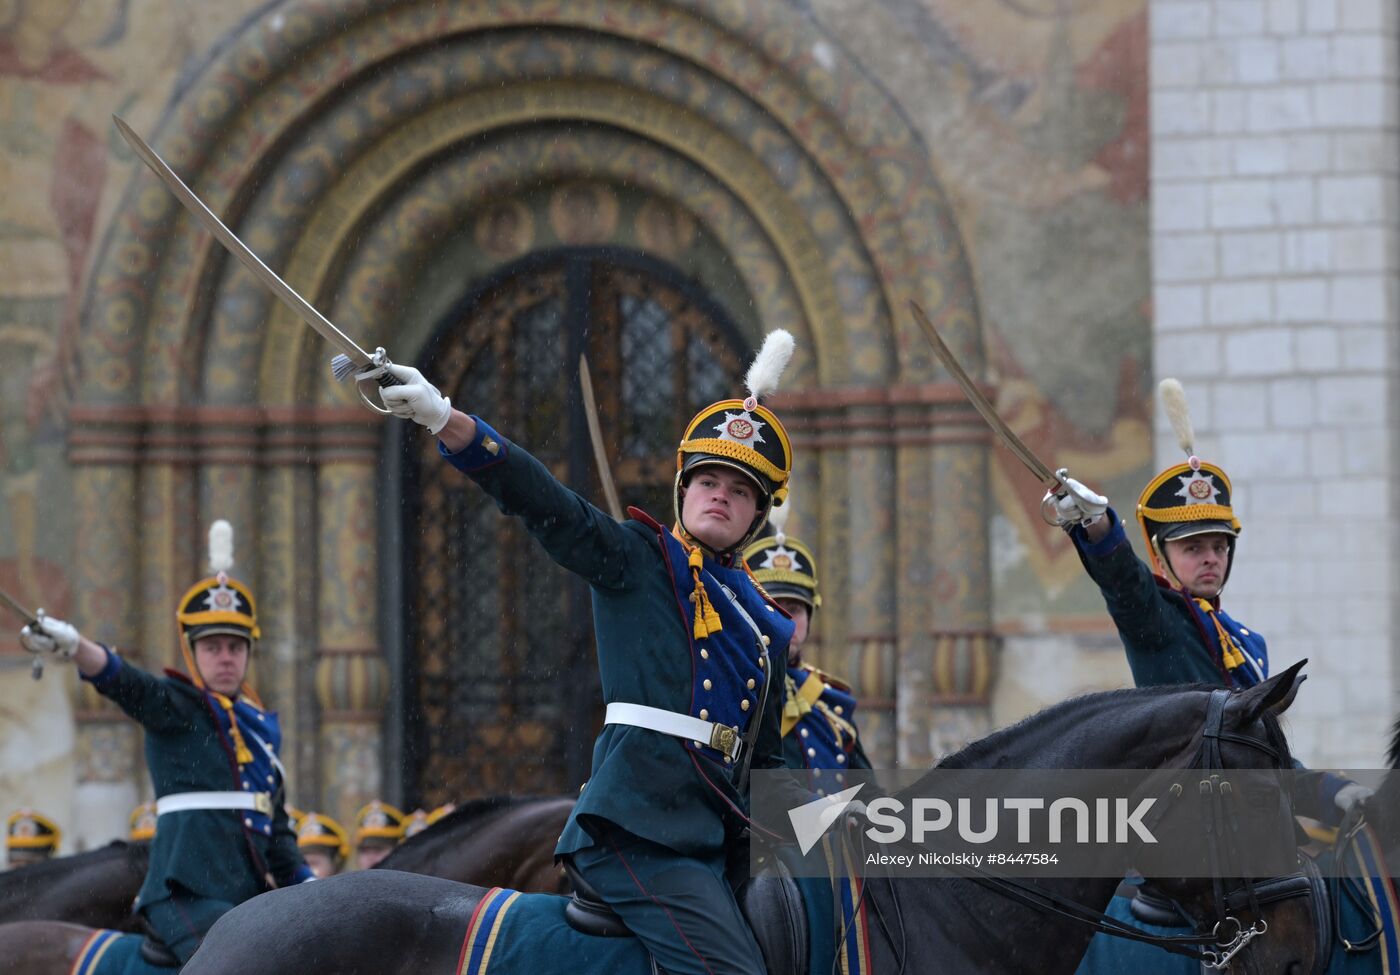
x=352, y=358
x=1056, y=482
x=595, y=434
x=981, y=404
x=288, y=295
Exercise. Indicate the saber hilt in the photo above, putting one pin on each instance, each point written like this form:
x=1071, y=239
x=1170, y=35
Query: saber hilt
x=1090, y=503
x=36, y=670
x=343, y=367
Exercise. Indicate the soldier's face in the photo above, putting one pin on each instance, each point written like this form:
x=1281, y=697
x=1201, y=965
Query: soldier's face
x=1200, y=561
x=801, y=620
x=718, y=506
x=23, y=858
x=321, y=864
x=222, y=660
x=368, y=856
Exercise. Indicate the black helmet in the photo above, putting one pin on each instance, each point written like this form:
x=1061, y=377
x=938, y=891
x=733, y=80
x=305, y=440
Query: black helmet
x=744, y=435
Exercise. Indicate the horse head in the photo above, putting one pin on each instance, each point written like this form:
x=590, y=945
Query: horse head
x=1253, y=925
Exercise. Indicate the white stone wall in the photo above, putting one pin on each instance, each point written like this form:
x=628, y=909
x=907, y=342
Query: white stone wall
x=1275, y=220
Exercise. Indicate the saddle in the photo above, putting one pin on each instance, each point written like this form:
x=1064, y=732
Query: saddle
x=155, y=952
x=771, y=903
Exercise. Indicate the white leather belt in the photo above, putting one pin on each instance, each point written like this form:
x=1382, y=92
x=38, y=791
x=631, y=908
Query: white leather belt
x=720, y=737
x=182, y=801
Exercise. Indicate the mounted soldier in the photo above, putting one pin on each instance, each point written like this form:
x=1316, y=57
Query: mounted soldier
x=141, y=824
x=687, y=649
x=819, y=729
x=324, y=844
x=378, y=829
x=30, y=837
x=1169, y=614
x=415, y=823
x=211, y=749
x=421, y=819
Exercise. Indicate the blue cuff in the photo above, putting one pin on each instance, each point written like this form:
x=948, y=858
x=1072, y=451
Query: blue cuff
x=1096, y=550
x=302, y=875
x=110, y=670
x=487, y=449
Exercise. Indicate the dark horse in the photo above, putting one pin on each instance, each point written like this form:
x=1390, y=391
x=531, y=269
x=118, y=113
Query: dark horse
x=96, y=888
x=383, y=922
x=1353, y=943
x=499, y=841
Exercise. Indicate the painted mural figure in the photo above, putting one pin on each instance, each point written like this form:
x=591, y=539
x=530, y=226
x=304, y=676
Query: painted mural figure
x=686, y=644
x=212, y=751
x=819, y=729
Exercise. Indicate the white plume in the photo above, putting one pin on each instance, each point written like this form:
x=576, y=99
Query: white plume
x=779, y=518
x=220, y=546
x=1174, y=402
x=768, y=365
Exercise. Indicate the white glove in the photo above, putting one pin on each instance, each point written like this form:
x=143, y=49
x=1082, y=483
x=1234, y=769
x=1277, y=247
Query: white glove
x=51, y=636
x=417, y=399
x=1350, y=794
x=1079, y=506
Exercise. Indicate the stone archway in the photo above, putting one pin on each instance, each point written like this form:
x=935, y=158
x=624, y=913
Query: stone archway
x=350, y=143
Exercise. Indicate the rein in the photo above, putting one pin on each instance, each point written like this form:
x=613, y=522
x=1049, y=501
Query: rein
x=1340, y=883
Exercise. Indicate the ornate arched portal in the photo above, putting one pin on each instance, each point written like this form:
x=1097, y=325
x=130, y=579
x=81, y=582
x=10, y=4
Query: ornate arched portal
x=388, y=157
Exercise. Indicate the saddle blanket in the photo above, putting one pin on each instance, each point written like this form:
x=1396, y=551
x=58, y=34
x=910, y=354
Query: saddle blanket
x=512, y=932
x=109, y=952
x=515, y=932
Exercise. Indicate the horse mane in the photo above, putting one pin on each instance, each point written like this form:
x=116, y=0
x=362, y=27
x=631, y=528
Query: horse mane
x=1392, y=754
x=1085, y=707
x=1273, y=733
x=469, y=811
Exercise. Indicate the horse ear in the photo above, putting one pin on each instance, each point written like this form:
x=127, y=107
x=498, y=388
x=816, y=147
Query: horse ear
x=1274, y=694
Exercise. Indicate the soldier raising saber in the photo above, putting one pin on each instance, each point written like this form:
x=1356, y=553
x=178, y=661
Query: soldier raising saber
x=690, y=651
x=212, y=751
x=1168, y=614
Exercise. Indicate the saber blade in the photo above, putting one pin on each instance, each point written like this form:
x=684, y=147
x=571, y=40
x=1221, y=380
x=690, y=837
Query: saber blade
x=595, y=434
x=284, y=292
x=36, y=668
x=980, y=403
x=13, y=605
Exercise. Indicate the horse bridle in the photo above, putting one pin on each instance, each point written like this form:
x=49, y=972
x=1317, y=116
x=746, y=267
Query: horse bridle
x=1224, y=858
x=1218, y=944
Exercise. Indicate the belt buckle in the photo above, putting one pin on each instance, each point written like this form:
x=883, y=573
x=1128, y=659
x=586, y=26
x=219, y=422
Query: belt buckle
x=262, y=802
x=725, y=739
